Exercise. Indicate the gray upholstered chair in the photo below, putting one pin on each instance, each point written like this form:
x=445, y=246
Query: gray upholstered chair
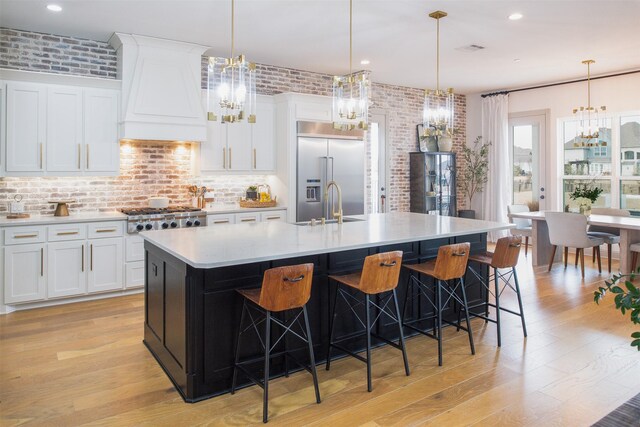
x=523, y=226
x=570, y=231
x=610, y=235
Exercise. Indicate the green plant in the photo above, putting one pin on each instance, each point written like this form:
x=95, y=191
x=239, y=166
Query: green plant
x=586, y=191
x=252, y=188
x=627, y=299
x=475, y=172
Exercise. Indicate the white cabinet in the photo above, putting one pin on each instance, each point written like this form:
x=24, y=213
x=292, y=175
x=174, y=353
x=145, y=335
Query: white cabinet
x=24, y=273
x=134, y=266
x=263, y=138
x=102, y=150
x=239, y=146
x=280, y=216
x=26, y=127
x=66, y=269
x=219, y=219
x=247, y=217
x=213, y=151
x=64, y=129
x=105, y=264
x=243, y=218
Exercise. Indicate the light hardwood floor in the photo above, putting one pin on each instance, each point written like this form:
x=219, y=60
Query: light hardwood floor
x=85, y=364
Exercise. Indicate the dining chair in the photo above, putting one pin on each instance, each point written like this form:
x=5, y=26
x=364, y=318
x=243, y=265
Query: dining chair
x=523, y=226
x=610, y=235
x=570, y=231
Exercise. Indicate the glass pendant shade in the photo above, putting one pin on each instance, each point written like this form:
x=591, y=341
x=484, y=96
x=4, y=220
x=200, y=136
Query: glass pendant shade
x=438, y=113
x=351, y=101
x=231, y=90
x=589, y=118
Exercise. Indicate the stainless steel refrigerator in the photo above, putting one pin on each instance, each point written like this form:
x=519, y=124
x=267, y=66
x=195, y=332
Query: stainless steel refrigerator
x=326, y=154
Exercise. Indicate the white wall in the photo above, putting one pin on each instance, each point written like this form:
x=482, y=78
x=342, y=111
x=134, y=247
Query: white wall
x=619, y=94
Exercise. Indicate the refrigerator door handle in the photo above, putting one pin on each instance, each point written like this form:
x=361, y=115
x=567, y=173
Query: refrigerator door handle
x=323, y=185
x=331, y=208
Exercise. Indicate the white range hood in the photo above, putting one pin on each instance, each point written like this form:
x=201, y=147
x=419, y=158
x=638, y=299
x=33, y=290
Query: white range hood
x=161, y=95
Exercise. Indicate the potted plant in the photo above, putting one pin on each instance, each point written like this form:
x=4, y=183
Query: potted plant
x=627, y=299
x=583, y=196
x=252, y=193
x=475, y=173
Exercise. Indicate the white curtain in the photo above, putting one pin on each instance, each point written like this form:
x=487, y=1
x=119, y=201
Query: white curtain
x=495, y=129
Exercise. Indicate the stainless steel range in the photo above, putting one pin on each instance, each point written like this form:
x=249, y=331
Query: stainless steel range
x=144, y=219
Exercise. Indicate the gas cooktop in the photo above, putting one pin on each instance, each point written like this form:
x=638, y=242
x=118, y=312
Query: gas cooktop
x=158, y=211
x=146, y=219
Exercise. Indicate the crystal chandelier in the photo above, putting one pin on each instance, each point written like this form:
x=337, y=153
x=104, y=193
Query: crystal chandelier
x=438, y=112
x=231, y=86
x=589, y=122
x=351, y=93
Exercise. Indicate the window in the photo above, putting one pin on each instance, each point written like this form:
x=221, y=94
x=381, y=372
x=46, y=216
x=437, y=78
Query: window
x=604, y=201
x=586, y=157
x=628, y=155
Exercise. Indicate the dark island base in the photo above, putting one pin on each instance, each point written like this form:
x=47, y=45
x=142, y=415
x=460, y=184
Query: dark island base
x=192, y=315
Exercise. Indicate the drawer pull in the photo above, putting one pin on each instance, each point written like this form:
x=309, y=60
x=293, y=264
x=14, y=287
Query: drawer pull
x=248, y=220
x=221, y=221
x=82, y=258
x=24, y=236
x=66, y=233
x=42, y=262
x=106, y=230
x=273, y=217
x=91, y=258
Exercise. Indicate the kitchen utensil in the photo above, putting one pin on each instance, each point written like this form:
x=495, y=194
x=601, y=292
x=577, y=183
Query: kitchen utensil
x=158, y=202
x=62, y=208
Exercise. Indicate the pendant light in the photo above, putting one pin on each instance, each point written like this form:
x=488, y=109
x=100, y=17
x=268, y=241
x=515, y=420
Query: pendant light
x=589, y=122
x=350, y=109
x=231, y=87
x=438, y=112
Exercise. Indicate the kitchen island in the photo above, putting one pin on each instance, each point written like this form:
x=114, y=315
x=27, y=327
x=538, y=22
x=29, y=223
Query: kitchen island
x=192, y=309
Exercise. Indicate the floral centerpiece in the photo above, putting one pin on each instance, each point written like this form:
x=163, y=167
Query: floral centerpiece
x=583, y=196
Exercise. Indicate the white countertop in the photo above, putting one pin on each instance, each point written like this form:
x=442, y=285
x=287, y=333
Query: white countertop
x=234, y=244
x=621, y=222
x=216, y=209
x=74, y=217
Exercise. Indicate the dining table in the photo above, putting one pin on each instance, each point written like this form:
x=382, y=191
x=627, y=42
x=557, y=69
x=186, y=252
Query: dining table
x=541, y=247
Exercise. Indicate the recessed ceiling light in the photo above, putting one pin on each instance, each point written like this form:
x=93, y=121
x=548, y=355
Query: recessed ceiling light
x=365, y=62
x=54, y=8
x=515, y=16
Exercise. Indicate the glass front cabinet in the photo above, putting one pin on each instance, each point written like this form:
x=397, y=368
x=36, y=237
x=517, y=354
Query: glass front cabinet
x=433, y=183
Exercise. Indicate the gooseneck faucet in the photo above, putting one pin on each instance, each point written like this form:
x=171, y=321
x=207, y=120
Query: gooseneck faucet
x=335, y=214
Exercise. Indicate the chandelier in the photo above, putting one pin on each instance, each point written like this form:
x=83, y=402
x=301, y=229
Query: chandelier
x=438, y=112
x=351, y=93
x=231, y=87
x=589, y=122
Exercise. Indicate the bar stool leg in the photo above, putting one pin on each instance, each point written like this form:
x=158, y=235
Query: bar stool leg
x=439, y=319
x=312, y=358
x=332, y=327
x=286, y=347
x=406, y=297
x=401, y=334
x=515, y=278
x=497, y=291
x=267, y=351
x=237, y=355
x=368, y=319
x=466, y=312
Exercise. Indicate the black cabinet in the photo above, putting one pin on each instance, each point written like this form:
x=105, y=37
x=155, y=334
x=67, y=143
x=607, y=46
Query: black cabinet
x=433, y=183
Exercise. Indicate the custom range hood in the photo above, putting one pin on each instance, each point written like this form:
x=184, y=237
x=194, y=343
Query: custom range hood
x=161, y=89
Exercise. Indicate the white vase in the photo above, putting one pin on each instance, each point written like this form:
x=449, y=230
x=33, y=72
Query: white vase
x=445, y=144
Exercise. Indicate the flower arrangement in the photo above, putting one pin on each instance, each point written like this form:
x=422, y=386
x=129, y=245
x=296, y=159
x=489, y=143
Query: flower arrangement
x=586, y=191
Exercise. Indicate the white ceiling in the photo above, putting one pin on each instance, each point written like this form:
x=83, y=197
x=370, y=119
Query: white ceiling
x=395, y=35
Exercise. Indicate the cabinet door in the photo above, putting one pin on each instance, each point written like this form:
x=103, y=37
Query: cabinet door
x=24, y=278
x=263, y=139
x=278, y=216
x=66, y=274
x=64, y=129
x=134, y=275
x=213, y=151
x=239, y=146
x=243, y=218
x=219, y=219
x=26, y=127
x=102, y=148
x=105, y=264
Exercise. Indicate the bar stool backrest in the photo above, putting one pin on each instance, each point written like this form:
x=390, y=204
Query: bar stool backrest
x=381, y=272
x=507, y=252
x=284, y=288
x=451, y=262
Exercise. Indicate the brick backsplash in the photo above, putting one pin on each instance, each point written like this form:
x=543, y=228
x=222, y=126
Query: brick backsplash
x=159, y=168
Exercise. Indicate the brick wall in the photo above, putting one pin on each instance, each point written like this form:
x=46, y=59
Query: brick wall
x=150, y=169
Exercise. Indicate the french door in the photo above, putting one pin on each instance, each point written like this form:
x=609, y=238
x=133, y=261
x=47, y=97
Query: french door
x=527, y=141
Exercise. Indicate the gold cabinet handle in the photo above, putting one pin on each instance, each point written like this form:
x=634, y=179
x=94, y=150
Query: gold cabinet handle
x=91, y=257
x=41, y=261
x=224, y=158
x=106, y=230
x=82, y=264
x=24, y=236
x=230, y=159
x=255, y=158
x=79, y=155
x=66, y=233
x=248, y=220
x=273, y=217
x=41, y=150
x=87, y=156
x=221, y=221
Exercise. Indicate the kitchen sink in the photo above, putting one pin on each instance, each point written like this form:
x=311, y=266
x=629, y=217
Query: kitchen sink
x=330, y=221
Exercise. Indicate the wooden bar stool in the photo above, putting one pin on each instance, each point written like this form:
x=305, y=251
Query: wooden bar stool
x=505, y=256
x=283, y=288
x=379, y=276
x=449, y=266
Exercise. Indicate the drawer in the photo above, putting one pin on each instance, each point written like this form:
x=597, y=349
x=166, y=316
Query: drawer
x=24, y=235
x=62, y=232
x=134, y=248
x=248, y=217
x=134, y=275
x=99, y=230
x=273, y=216
x=219, y=219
